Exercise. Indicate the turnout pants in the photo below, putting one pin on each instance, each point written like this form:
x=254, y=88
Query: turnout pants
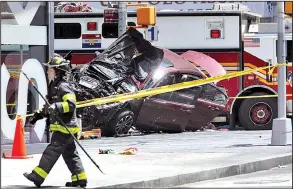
x=61, y=144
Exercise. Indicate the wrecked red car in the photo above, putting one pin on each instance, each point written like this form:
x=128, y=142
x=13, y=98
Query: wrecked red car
x=183, y=110
x=131, y=64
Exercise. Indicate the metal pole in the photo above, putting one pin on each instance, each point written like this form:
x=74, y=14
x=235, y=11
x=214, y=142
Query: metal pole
x=282, y=128
x=281, y=58
x=50, y=28
x=122, y=18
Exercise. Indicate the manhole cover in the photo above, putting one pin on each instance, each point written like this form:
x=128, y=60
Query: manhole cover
x=261, y=182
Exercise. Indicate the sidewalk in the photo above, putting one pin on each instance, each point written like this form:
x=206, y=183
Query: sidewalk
x=163, y=160
x=276, y=177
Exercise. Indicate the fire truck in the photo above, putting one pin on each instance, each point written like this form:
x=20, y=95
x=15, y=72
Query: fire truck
x=235, y=38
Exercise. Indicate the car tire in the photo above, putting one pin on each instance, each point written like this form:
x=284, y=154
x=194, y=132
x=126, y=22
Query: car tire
x=120, y=124
x=258, y=113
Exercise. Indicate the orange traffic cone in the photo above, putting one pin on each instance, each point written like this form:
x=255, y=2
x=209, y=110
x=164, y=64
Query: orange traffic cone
x=19, y=147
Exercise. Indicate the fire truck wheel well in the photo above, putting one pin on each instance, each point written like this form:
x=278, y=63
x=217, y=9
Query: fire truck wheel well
x=246, y=92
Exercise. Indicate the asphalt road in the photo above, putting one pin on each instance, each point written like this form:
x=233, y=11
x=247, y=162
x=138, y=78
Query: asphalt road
x=277, y=177
x=162, y=160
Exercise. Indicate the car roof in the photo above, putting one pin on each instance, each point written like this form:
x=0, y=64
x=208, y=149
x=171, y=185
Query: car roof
x=179, y=62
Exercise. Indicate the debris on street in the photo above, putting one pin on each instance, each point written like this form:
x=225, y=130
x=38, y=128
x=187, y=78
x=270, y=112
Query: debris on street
x=93, y=134
x=106, y=151
x=129, y=151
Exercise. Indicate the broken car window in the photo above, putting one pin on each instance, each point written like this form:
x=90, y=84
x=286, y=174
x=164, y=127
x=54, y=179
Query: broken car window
x=220, y=98
x=208, y=92
x=158, y=74
x=167, y=80
x=186, y=96
x=188, y=77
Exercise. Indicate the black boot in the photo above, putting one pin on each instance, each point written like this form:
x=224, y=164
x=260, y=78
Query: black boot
x=80, y=183
x=37, y=180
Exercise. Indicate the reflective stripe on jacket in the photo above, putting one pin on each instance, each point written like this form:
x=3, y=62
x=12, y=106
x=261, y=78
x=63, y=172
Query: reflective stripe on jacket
x=65, y=100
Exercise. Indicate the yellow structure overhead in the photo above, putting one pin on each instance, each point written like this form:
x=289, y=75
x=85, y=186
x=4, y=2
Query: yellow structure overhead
x=146, y=15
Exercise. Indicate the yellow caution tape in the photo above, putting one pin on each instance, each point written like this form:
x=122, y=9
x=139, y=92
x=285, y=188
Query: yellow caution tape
x=171, y=88
x=271, y=71
x=168, y=88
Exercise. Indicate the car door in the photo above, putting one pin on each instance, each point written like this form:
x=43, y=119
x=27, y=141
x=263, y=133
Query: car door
x=208, y=105
x=219, y=102
x=155, y=109
x=213, y=99
x=188, y=104
x=185, y=100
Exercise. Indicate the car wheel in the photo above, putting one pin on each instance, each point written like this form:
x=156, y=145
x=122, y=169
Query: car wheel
x=258, y=113
x=120, y=124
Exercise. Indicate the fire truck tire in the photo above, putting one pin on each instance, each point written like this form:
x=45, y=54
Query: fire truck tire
x=258, y=113
x=120, y=124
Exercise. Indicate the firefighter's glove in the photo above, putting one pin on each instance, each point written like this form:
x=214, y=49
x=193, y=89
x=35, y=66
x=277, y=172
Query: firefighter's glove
x=31, y=121
x=45, y=109
x=52, y=108
x=37, y=116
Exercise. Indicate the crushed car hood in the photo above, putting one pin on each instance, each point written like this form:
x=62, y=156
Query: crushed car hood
x=130, y=54
x=207, y=63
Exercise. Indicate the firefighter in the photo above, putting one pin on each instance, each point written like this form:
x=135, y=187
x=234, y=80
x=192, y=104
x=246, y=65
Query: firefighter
x=62, y=103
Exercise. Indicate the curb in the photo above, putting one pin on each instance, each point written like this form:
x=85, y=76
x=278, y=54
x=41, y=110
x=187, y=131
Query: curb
x=207, y=174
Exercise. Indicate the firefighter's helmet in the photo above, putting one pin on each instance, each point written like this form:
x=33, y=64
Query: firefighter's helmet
x=58, y=62
x=57, y=55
